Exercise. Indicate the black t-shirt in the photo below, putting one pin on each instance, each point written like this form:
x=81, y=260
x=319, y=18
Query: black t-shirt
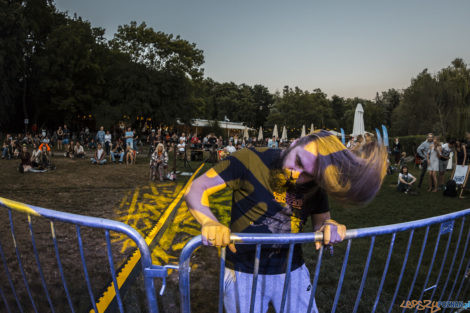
x=258, y=206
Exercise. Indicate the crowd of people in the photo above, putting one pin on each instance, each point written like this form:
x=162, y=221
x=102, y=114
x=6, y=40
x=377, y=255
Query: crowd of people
x=122, y=145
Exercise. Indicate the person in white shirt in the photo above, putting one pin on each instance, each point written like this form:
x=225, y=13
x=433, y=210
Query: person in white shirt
x=78, y=151
x=183, y=137
x=181, y=147
x=107, y=142
x=230, y=148
x=405, y=180
x=99, y=157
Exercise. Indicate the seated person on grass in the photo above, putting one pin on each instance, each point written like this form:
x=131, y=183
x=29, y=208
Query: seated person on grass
x=35, y=156
x=25, y=157
x=405, y=180
x=78, y=151
x=100, y=156
x=43, y=158
x=130, y=155
x=69, y=150
x=6, y=150
x=118, y=151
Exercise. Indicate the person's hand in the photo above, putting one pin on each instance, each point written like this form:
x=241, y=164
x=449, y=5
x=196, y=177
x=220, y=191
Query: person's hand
x=215, y=234
x=333, y=232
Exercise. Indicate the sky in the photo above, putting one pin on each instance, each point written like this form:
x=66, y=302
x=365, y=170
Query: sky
x=348, y=48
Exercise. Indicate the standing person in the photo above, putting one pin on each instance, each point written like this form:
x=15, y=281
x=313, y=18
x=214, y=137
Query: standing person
x=444, y=156
x=423, y=152
x=396, y=150
x=129, y=135
x=272, y=143
x=182, y=137
x=433, y=166
x=276, y=191
x=460, y=153
x=66, y=140
x=107, y=142
x=467, y=147
x=158, y=163
x=100, y=136
x=60, y=137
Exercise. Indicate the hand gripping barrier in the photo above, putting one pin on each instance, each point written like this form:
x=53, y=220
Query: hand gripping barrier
x=453, y=279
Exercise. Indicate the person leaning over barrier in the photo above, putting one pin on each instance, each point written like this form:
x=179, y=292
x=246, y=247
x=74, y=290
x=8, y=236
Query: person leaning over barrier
x=275, y=191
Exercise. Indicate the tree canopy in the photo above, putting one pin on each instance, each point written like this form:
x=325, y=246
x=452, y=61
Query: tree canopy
x=57, y=68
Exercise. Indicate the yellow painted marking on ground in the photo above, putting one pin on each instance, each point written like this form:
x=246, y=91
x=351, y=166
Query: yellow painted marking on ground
x=18, y=206
x=133, y=202
x=110, y=293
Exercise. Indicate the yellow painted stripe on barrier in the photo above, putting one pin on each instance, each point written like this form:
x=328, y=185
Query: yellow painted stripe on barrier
x=18, y=206
x=110, y=293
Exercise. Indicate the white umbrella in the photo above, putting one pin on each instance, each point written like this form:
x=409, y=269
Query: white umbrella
x=284, y=134
x=358, y=126
x=303, y=131
x=245, y=133
x=311, y=128
x=275, y=132
x=260, y=133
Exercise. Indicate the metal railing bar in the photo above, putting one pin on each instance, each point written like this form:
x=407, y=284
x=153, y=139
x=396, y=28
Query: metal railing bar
x=464, y=276
x=10, y=281
x=315, y=279
x=384, y=274
x=341, y=277
x=5, y=300
x=436, y=246
x=364, y=274
x=223, y=253
x=423, y=246
x=287, y=277
x=113, y=272
x=38, y=263
x=459, y=268
x=402, y=271
x=453, y=258
x=444, y=258
x=255, y=278
x=18, y=257
x=61, y=270
x=85, y=270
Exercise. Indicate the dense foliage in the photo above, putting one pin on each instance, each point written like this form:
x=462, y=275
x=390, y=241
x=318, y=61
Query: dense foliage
x=55, y=68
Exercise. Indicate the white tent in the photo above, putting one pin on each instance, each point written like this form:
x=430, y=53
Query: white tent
x=284, y=134
x=275, y=132
x=303, y=131
x=311, y=128
x=358, y=126
x=260, y=133
x=245, y=133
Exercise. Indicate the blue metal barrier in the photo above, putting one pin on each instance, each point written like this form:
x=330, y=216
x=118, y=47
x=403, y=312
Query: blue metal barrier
x=445, y=225
x=149, y=271
x=452, y=279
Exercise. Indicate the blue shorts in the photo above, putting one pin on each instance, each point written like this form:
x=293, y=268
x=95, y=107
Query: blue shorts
x=66, y=141
x=237, y=291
